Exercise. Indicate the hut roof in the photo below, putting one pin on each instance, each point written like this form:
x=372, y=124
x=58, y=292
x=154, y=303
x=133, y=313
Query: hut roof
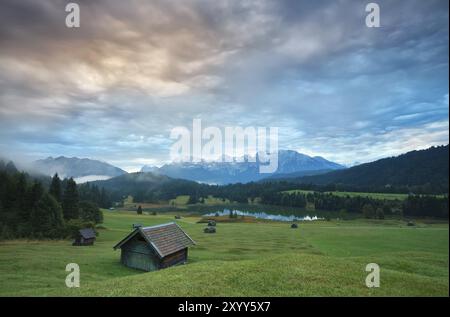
x=166, y=238
x=87, y=233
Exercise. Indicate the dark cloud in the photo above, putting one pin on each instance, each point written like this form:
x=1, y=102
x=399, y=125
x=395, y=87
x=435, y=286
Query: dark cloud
x=135, y=69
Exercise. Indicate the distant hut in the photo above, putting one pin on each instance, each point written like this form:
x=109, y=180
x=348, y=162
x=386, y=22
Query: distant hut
x=154, y=248
x=209, y=229
x=85, y=236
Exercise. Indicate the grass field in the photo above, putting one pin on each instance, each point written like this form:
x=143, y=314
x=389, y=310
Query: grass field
x=182, y=200
x=242, y=259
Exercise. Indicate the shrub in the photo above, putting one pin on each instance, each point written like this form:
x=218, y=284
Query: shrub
x=379, y=213
x=211, y=223
x=74, y=225
x=343, y=214
x=368, y=211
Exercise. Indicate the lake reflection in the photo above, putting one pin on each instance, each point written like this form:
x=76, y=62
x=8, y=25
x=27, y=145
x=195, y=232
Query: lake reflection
x=263, y=215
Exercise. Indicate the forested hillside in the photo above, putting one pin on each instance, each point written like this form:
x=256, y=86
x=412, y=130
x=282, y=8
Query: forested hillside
x=424, y=171
x=31, y=209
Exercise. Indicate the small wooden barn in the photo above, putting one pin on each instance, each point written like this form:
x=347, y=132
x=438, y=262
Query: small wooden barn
x=85, y=236
x=154, y=248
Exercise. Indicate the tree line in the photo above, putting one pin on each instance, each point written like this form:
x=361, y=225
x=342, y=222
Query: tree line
x=412, y=206
x=28, y=209
x=321, y=196
x=150, y=188
x=277, y=194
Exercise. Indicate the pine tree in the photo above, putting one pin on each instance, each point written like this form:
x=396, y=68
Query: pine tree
x=192, y=200
x=11, y=168
x=90, y=212
x=55, y=188
x=33, y=195
x=96, y=196
x=70, y=202
x=21, y=198
x=46, y=218
x=104, y=199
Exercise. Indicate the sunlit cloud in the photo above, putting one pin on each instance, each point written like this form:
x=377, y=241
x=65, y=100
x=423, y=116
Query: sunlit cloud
x=114, y=88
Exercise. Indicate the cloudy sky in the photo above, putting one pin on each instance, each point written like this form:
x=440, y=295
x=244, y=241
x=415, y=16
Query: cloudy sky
x=115, y=87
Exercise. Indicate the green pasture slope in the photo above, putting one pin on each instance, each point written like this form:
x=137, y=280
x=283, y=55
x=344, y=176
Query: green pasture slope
x=183, y=200
x=242, y=259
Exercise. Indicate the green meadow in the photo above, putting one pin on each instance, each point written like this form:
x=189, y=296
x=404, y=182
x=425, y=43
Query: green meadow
x=322, y=258
x=183, y=200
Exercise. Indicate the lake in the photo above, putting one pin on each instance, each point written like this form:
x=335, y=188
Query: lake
x=263, y=215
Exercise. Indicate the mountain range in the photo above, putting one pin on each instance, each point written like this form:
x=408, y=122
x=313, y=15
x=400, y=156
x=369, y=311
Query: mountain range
x=244, y=172
x=424, y=171
x=81, y=169
x=423, y=168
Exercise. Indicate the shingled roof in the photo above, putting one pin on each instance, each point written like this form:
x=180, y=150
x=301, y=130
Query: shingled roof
x=87, y=233
x=165, y=239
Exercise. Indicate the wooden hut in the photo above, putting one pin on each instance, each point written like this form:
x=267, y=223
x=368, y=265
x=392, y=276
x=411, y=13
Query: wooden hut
x=85, y=236
x=154, y=248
